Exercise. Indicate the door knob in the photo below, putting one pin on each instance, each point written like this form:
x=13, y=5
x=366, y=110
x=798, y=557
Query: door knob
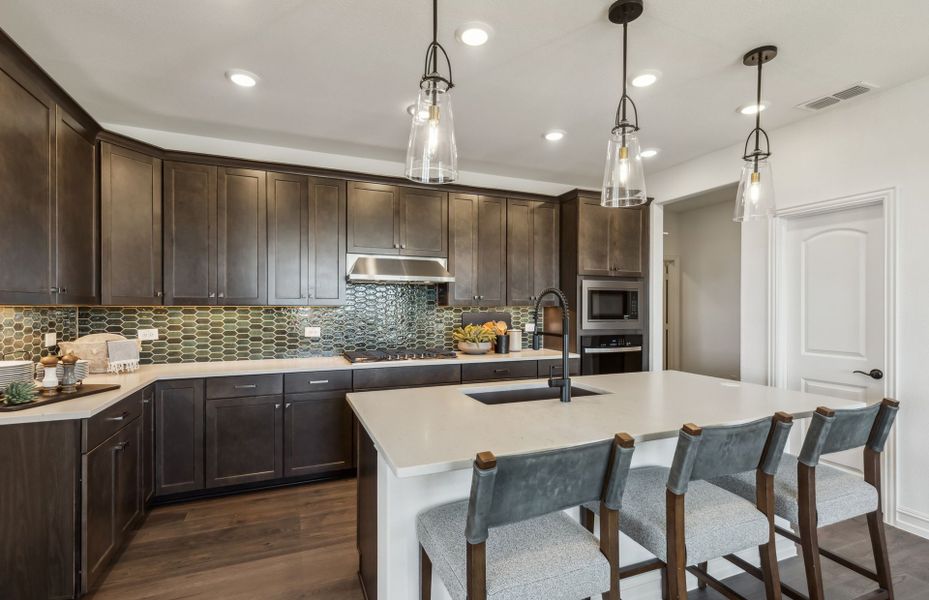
x=873, y=373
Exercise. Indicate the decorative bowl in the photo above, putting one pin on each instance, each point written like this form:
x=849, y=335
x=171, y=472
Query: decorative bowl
x=475, y=347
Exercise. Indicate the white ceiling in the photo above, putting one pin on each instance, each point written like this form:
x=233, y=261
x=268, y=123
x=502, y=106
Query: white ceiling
x=336, y=75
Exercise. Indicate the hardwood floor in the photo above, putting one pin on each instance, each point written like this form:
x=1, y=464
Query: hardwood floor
x=299, y=542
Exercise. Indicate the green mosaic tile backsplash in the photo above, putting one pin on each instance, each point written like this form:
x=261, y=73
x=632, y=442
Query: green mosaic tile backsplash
x=22, y=329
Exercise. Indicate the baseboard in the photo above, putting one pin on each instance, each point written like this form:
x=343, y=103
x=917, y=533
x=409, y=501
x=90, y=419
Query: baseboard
x=912, y=521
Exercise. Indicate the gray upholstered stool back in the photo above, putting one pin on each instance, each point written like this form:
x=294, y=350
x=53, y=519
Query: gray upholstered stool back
x=705, y=453
x=515, y=488
x=837, y=430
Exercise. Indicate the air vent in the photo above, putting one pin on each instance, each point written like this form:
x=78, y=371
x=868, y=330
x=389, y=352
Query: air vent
x=836, y=97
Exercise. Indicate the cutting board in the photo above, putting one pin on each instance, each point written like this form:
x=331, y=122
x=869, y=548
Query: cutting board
x=41, y=400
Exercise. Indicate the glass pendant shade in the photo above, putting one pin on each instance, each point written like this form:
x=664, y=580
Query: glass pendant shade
x=624, y=175
x=755, y=199
x=432, y=155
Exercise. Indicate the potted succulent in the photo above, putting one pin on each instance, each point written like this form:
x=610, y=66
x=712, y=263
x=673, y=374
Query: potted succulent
x=474, y=339
x=19, y=393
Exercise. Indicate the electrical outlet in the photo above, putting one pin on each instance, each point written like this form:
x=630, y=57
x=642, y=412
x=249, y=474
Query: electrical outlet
x=312, y=332
x=148, y=334
x=530, y=327
x=51, y=339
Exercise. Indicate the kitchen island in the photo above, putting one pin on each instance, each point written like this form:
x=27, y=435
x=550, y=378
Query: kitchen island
x=416, y=448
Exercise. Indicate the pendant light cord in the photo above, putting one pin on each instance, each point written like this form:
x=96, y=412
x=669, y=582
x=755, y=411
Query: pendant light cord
x=625, y=55
x=758, y=109
x=435, y=33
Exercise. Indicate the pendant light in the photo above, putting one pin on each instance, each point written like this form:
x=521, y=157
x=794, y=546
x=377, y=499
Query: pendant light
x=755, y=198
x=432, y=156
x=624, y=175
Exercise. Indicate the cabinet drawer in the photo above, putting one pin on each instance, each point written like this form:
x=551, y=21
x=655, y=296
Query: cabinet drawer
x=317, y=381
x=246, y=385
x=104, y=424
x=546, y=365
x=514, y=369
x=401, y=377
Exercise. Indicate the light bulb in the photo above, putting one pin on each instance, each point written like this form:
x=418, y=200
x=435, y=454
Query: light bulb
x=623, y=165
x=754, y=189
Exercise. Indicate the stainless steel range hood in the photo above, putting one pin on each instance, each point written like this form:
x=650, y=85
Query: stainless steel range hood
x=397, y=269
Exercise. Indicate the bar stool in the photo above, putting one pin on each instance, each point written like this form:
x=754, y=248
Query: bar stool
x=684, y=520
x=511, y=540
x=811, y=495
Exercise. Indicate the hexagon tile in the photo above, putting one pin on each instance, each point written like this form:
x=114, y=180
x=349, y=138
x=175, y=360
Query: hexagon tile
x=22, y=329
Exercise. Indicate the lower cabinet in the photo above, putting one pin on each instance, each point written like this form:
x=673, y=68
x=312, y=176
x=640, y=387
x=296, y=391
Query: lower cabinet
x=244, y=441
x=112, y=498
x=178, y=436
x=318, y=430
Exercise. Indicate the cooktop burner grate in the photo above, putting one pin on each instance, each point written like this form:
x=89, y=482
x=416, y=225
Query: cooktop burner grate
x=393, y=354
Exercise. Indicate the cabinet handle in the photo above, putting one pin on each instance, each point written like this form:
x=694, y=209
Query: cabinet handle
x=277, y=407
x=318, y=381
x=62, y=290
x=396, y=245
x=403, y=246
x=287, y=405
x=119, y=418
x=159, y=294
x=245, y=386
x=120, y=447
x=222, y=295
x=146, y=401
x=501, y=371
x=212, y=294
x=54, y=290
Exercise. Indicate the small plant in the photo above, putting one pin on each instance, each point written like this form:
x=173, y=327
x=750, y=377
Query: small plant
x=19, y=393
x=475, y=334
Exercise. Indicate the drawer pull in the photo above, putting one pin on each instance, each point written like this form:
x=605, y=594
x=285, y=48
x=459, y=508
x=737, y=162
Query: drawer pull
x=318, y=381
x=119, y=418
x=501, y=370
x=277, y=406
x=120, y=446
x=246, y=386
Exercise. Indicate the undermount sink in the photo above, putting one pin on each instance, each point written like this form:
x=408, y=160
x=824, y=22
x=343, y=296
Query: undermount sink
x=527, y=394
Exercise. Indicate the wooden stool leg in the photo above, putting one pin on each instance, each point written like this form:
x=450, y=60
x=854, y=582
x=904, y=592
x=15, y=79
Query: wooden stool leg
x=587, y=519
x=677, y=553
x=425, y=575
x=700, y=583
x=879, y=546
x=809, y=538
x=764, y=499
x=664, y=583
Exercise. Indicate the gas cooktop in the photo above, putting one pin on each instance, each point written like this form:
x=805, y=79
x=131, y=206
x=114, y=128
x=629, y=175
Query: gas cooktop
x=367, y=356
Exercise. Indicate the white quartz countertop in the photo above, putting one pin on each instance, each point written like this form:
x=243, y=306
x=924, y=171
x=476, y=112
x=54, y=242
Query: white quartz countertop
x=431, y=430
x=82, y=408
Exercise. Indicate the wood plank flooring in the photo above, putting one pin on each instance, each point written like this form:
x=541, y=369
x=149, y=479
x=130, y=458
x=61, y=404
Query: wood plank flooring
x=299, y=542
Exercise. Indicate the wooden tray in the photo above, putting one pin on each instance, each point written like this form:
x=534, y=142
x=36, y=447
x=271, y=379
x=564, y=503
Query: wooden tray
x=41, y=400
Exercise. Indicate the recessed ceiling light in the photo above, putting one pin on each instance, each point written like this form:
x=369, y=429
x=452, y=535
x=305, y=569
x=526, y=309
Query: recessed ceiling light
x=751, y=109
x=242, y=78
x=645, y=78
x=555, y=135
x=648, y=152
x=473, y=34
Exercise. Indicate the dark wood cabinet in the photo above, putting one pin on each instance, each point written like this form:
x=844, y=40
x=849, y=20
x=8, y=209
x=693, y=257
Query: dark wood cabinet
x=388, y=219
x=244, y=441
x=477, y=250
x=178, y=436
x=532, y=243
x=318, y=429
x=306, y=240
x=148, y=444
x=627, y=236
x=242, y=250
x=610, y=240
x=130, y=222
x=189, y=233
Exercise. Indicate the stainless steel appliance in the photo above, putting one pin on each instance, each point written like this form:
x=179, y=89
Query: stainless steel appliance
x=397, y=269
x=610, y=304
x=603, y=354
x=366, y=356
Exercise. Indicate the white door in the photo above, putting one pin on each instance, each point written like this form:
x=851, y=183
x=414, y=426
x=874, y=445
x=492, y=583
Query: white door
x=832, y=312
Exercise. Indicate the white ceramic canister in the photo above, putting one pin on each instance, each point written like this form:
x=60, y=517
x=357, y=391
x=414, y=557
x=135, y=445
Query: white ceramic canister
x=516, y=340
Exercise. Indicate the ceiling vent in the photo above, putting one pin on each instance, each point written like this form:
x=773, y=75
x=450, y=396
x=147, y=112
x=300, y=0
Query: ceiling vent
x=832, y=99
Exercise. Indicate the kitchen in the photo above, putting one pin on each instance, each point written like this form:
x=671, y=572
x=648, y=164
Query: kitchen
x=302, y=324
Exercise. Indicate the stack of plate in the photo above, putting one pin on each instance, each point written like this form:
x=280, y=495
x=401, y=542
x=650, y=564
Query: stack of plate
x=14, y=371
x=81, y=370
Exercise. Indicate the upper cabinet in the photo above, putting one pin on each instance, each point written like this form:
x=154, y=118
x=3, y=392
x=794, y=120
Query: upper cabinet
x=610, y=242
x=532, y=243
x=130, y=220
x=306, y=240
x=388, y=219
x=242, y=249
x=189, y=233
x=477, y=250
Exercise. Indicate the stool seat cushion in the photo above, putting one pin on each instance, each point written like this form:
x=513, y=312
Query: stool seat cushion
x=839, y=495
x=550, y=557
x=716, y=522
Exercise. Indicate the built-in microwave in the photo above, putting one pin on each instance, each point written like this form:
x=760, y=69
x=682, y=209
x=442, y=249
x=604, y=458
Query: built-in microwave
x=610, y=304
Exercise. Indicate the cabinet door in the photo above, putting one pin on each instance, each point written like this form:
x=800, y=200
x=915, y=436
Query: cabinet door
x=77, y=211
x=100, y=532
x=128, y=501
x=148, y=444
x=27, y=124
x=130, y=223
x=627, y=228
x=546, y=229
x=423, y=222
x=373, y=212
x=462, y=255
x=189, y=233
x=327, y=241
x=242, y=242
x=491, y=251
x=178, y=436
x=594, y=237
x=243, y=440
x=318, y=433
x=288, y=231
x=520, y=286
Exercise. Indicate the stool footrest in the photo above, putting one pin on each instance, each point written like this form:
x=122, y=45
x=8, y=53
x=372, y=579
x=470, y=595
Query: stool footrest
x=755, y=572
x=863, y=571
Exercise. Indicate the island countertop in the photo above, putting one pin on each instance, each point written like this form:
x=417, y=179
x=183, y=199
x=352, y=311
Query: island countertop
x=431, y=430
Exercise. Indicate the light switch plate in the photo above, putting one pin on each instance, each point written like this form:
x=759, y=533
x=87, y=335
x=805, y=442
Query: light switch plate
x=148, y=334
x=530, y=327
x=51, y=339
x=312, y=332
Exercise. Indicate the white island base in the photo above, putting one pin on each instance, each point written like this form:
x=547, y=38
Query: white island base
x=416, y=448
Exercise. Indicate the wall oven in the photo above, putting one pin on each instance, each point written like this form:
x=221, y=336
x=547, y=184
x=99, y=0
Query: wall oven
x=610, y=304
x=604, y=354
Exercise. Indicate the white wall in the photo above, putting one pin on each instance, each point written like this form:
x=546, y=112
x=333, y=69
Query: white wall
x=707, y=241
x=870, y=144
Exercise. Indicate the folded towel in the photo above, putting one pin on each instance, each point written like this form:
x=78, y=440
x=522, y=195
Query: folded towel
x=123, y=356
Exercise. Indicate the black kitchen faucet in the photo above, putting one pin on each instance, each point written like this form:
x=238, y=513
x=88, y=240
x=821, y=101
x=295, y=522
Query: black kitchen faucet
x=564, y=382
